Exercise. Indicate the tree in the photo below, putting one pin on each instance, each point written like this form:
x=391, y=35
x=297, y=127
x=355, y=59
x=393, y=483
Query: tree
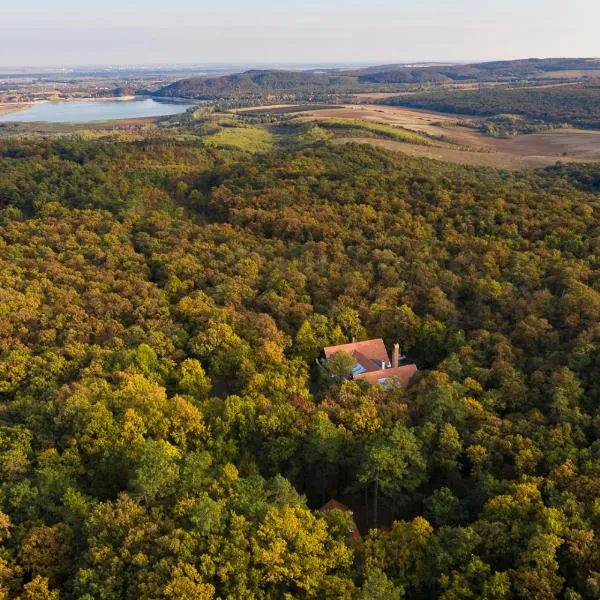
x=377, y=585
x=186, y=584
x=392, y=463
x=444, y=508
x=156, y=472
x=193, y=380
x=402, y=553
x=47, y=552
x=38, y=589
x=340, y=364
x=294, y=552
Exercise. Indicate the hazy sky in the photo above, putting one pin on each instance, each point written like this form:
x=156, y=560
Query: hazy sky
x=51, y=32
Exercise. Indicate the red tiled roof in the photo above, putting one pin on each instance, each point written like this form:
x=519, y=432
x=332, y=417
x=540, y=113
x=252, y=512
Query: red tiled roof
x=372, y=349
x=334, y=505
x=404, y=374
x=365, y=361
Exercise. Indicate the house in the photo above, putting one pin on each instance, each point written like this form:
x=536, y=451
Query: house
x=373, y=363
x=353, y=533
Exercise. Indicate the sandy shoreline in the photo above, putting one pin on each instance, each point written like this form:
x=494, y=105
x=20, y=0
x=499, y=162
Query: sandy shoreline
x=7, y=108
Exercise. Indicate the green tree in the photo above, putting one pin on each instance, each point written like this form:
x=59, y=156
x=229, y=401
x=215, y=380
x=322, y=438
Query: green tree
x=393, y=463
x=156, y=472
x=340, y=364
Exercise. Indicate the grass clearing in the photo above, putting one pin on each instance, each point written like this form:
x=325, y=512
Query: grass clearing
x=255, y=140
x=395, y=133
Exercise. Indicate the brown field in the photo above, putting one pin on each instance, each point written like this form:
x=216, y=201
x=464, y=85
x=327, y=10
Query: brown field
x=470, y=147
x=572, y=74
x=461, y=87
x=500, y=160
x=415, y=119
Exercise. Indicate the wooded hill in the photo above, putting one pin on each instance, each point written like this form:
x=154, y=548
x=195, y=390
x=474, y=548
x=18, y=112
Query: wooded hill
x=257, y=83
x=165, y=432
x=576, y=105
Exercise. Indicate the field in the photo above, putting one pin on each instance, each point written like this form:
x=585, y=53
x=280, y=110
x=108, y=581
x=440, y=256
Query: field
x=415, y=132
x=281, y=109
x=415, y=120
x=249, y=139
x=389, y=131
x=465, y=145
x=571, y=74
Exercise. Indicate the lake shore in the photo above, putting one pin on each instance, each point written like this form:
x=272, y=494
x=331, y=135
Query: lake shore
x=87, y=110
x=7, y=108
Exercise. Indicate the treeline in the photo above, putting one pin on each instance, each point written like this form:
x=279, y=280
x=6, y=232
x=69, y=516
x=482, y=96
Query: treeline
x=165, y=432
x=578, y=106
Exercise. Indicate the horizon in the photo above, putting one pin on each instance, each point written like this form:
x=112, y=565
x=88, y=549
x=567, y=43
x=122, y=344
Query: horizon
x=291, y=65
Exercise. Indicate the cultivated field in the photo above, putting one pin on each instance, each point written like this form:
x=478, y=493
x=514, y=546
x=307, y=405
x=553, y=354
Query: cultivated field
x=470, y=147
x=416, y=120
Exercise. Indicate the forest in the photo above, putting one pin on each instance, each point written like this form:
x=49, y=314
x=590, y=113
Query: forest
x=576, y=105
x=165, y=431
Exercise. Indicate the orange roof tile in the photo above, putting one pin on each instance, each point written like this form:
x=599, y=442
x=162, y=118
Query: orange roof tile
x=372, y=349
x=404, y=374
x=334, y=505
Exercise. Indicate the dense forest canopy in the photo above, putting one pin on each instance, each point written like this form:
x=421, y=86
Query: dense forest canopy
x=166, y=433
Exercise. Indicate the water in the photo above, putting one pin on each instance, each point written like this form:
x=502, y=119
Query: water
x=94, y=110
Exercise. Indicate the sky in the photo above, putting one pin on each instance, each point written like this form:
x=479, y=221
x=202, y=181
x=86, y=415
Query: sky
x=78, y=32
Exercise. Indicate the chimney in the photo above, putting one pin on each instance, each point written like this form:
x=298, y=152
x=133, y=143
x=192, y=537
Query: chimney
x=396, y=356
x=383, y=365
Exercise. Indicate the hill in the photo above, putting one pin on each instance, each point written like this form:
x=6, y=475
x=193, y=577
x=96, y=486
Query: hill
x=253, y=83
x=531, y=68
x=258, y=83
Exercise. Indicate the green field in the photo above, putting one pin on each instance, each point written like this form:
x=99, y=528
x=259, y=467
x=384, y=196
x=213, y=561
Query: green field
x=395, y=133
x=250, y=139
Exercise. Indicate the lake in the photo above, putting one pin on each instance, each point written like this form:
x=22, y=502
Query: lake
x=94, y=110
